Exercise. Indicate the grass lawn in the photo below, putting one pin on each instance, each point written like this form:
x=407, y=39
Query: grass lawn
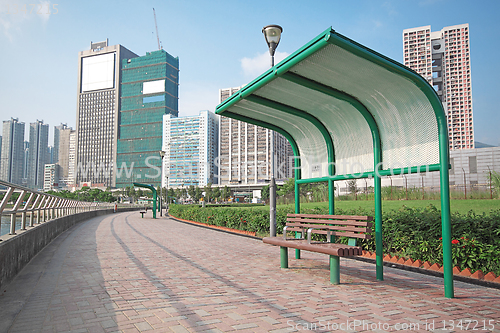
x=460, y=206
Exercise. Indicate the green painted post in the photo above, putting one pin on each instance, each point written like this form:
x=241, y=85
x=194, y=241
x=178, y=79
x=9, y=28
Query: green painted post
x=284, y=256
x=379, y=250
x=445, y=209
x=297, y=200
x=334, y=269
x=151, y=187
x=331, y=202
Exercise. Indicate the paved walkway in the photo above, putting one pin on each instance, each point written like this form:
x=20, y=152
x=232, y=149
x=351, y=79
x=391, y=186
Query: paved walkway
x=121, y=273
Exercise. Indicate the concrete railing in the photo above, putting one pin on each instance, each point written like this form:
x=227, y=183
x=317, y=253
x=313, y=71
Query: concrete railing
x=41, y=207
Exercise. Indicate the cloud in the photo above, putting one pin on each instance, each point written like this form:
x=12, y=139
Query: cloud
x=45, y=12
x=260, y=63
x=15, y=14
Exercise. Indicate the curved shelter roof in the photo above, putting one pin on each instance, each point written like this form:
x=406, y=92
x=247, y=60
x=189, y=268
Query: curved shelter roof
x=350, y=112
x=336, y=101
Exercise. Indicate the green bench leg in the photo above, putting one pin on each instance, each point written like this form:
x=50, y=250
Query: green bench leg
x=334, y=269
x=297, y=251
x=284, y=257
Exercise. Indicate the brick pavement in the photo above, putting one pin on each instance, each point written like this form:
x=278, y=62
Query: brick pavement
x=121, y=273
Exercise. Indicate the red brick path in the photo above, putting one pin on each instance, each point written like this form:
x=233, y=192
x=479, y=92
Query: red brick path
x=121, y=273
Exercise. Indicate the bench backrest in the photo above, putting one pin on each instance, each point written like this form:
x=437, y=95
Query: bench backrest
x=350, y=226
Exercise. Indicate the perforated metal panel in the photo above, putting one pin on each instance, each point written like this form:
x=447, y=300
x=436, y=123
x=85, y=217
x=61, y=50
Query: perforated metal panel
x=350, y=132
x=403, y=113
x=312, y=147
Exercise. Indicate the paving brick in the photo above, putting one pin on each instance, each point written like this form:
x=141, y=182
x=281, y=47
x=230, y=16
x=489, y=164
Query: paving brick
x=123, y=273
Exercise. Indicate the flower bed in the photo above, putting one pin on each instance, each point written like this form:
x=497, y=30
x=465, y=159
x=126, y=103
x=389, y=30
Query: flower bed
x=408, y=233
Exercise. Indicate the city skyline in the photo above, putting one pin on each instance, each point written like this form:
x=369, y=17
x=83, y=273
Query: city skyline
x=211, y=55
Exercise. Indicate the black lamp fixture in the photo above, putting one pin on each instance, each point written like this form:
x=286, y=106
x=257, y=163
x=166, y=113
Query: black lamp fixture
x=272, y=33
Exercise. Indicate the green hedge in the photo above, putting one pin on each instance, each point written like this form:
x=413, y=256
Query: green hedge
x=409, y=232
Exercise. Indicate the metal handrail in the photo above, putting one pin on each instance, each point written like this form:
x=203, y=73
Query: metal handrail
x=42, y=205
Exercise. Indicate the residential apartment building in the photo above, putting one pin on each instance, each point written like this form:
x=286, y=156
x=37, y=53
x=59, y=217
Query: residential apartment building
x=191, y=150
x=37, y=154
x=97, y=115
x=51, y=177
x=443, y=59
x=57, y=131
x=149, y=90
x=245, y=151
x=12, y=155
x=66, y=155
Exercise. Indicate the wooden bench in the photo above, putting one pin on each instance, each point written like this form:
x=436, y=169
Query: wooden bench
x=334, y=227
x=142, y=213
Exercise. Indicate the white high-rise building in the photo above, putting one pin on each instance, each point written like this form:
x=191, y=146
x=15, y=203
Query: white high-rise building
x=443, y=59
x=51, y=177
x=245, y=151
x=191, y=150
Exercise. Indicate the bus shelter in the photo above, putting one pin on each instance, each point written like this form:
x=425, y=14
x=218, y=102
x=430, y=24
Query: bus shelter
x=349, y=113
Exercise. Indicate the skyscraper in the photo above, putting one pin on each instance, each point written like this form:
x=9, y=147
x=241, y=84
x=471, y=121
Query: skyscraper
x=25, y=162
x=149, y=90
x=443, y=59
x=66, y=139
x=191, y=148
x=37, y=154
x=98, y=104
x=57, y=131
x=245, y=151
x=12, y=151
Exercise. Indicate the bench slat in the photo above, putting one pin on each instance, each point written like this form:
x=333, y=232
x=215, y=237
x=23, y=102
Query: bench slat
x=335, y=233
x=336, y=249
x=330, y=227
x=335, y=222
x=336, y=217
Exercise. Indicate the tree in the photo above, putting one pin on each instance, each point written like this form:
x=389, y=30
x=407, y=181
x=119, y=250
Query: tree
x=495, y=181
x=216, y=193
x=287, y=188
x=191, y=191
x=226, y=192
x=140, y=192
x=351, y=186
x=264, y=193
x=208, y=191
x=132, y=193
x=171, y=194
x=198, y=194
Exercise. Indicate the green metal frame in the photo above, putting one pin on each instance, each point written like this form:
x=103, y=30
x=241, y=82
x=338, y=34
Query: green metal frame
x=152, y=188
x=329, y=36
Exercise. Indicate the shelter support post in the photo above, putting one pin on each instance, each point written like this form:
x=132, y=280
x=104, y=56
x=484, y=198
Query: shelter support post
x=297, y=200
x=379, y=250
x=445, y=214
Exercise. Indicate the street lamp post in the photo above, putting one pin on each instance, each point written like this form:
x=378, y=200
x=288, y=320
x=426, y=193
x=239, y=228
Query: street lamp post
x=272, y=33
x=162, y=155
x=166, y=189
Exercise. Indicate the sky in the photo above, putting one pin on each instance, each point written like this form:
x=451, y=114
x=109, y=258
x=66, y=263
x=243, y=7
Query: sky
x=220, y=45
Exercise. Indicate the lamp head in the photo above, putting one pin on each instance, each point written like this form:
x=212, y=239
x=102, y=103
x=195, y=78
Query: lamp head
x=272, y=33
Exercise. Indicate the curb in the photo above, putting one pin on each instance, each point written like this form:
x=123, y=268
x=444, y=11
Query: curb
x=432, y=270
x=247, y=234
x=428, y=270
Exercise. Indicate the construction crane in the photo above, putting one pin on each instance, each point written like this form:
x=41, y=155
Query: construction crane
x=156, y=26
